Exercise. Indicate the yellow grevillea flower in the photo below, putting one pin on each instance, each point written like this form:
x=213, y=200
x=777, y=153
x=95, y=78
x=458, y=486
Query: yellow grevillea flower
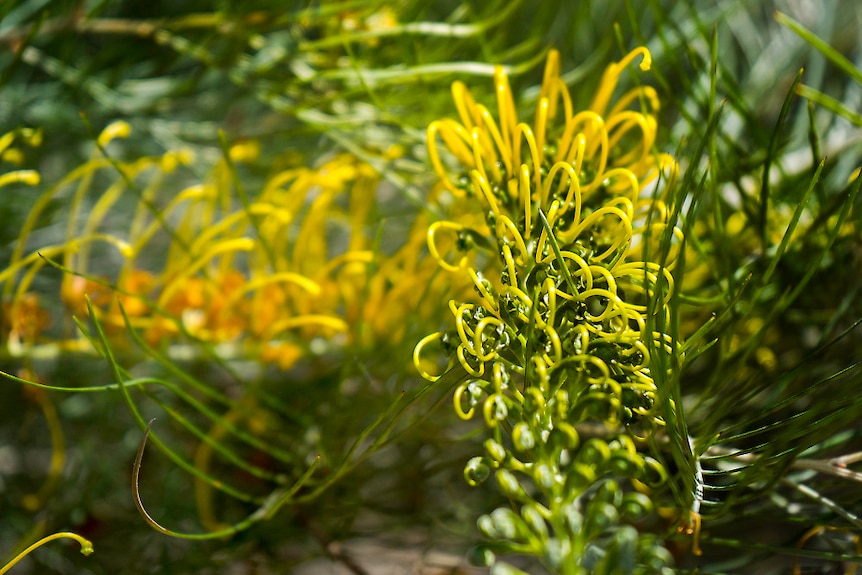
x=267, y=273
x=563, y=157
x=552, y=223
x=586, y=172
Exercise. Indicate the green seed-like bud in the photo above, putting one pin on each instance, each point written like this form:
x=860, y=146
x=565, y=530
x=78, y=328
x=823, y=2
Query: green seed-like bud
x=507, y=524
x=476, y=471
x=480, y=556
x=487, y=527
x=545, y=476
x=509, y=485
x=522, y=437
x=635, y=506
x=600, y=517
x=534, y=520
x=609, y=492
x=496, y=451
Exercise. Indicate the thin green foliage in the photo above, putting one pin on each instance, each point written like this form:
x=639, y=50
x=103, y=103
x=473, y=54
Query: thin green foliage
x=660, y=351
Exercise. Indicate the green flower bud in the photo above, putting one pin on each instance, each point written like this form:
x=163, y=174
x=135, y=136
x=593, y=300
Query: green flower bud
x=480, y=556
x=545, y=476
x=609, y=492
x=534, y=520
x=594, y=452
x=476, y=471
x=487, y=527
x=625, y=464
x=507, y=524
x=635, y=506
x=653, y=473
x=509, y=485
x=522, y=437
x=496, y=451
x=600, y=517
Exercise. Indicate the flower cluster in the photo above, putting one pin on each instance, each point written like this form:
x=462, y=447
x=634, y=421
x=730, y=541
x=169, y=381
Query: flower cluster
x=301, y=260
x=564, y=248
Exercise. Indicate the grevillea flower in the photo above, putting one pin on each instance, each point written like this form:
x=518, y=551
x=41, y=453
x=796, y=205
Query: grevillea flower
x=263, y=275
x=562, y=245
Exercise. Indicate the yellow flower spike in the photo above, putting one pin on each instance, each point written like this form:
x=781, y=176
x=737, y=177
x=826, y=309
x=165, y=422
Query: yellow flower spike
x=86, y=547
x=348, y=259
x=28, y=177
x=210, y=235
x=100, y=209
x=611, y=77
x=613, y=307
x=606, y=274
x=114, y=130
x=645, y=273
x=98, y=212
